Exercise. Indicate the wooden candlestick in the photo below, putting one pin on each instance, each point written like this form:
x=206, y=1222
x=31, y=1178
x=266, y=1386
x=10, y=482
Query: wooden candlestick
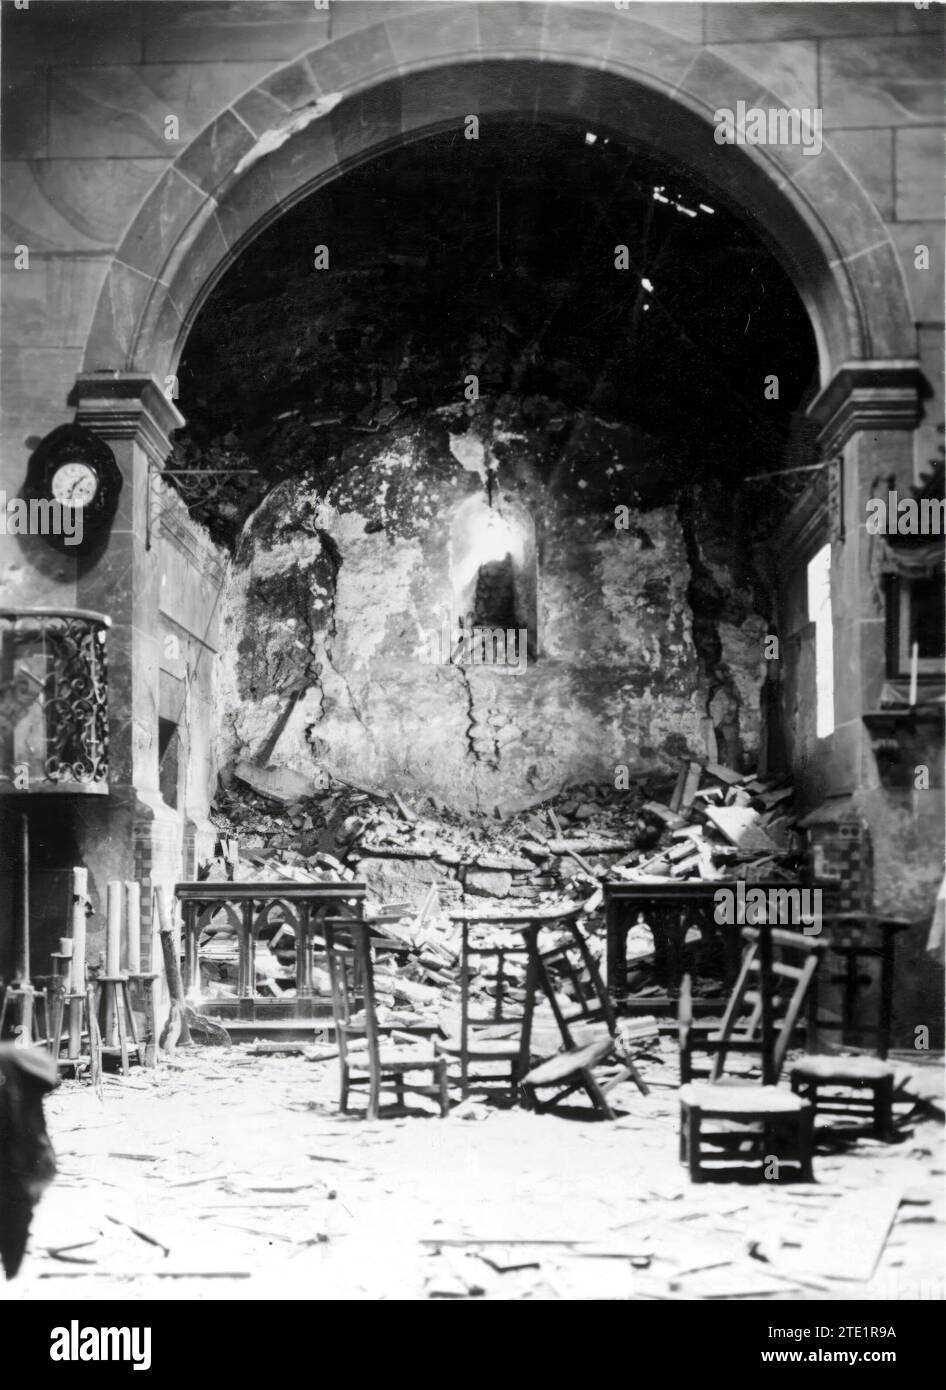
x=133, y=925
x=77, y=981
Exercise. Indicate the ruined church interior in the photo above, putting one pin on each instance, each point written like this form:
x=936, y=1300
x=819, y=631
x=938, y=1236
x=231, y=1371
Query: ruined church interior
x=472, y=652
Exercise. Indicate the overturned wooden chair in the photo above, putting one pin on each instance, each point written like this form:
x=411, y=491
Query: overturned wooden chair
x=779, y=1123
x=367, y=1058
x=593, y=1058
x=491, y=1037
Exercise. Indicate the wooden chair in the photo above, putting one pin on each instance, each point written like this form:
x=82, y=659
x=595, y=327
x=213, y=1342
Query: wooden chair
x=381, y=1063
x=740, y=1029
x=773, y=1114
x=811, y=1075
x=777, y=1112
x=493, y=1038
x=587, y=1026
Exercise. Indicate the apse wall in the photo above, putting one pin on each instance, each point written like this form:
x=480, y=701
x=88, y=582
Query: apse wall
x=339, y=617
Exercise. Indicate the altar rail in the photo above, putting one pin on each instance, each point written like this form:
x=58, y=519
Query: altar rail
x=249, y=907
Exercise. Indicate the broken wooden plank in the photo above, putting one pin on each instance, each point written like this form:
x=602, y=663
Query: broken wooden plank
x=662, y=813
x=770, y=799
x=723, y=774
x=740, y=826
x=577, y=846
x=676, y=800
x=691, y=786
x=405, y=810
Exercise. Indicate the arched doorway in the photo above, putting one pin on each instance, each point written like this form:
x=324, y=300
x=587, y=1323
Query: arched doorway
x=329, y=112
x=814, y=222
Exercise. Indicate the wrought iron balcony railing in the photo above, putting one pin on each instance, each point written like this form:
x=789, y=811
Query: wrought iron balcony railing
x=53, y=701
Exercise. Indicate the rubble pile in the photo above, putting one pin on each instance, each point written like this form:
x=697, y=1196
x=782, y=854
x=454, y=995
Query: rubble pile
x=712, y=823
x=421, y=862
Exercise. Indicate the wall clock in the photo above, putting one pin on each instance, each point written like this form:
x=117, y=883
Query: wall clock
x=77, y=469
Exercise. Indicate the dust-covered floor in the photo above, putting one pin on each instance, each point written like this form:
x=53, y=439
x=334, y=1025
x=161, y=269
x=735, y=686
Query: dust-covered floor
x=230, y=1175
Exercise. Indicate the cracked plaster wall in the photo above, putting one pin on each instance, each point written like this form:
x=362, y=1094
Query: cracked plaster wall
x=333, y=595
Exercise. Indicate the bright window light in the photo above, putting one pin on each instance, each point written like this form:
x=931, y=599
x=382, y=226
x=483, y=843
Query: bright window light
x=819, y=613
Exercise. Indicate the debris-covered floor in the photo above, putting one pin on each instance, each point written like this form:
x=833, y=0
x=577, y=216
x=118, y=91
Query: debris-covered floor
x=231, y=1174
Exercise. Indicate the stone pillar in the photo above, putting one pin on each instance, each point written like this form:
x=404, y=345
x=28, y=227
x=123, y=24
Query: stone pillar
x=134, y=834
x=867, y=413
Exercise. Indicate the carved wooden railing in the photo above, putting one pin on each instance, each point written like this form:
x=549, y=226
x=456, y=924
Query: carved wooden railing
x=250, y=907
x=53, y=700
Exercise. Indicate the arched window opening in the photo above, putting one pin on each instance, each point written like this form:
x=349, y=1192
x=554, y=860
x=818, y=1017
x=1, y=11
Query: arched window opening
x=493, y=568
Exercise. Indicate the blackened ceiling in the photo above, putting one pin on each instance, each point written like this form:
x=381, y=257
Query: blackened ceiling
x=496, y=257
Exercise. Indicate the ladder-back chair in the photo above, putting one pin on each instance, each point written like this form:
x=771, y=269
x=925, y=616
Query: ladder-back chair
x=379, y=1062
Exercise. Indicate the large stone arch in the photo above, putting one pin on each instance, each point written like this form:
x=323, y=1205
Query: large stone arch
x=421, y=71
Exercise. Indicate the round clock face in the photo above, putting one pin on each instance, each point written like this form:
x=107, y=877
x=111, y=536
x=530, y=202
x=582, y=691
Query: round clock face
x=74, y=484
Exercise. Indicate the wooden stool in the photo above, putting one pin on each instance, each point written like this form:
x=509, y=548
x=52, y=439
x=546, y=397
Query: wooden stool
x=120, y=1021
x=767, y=1105
x=852, y=1073
x=80, y=1008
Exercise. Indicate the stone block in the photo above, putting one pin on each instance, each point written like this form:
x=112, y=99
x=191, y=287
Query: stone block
x=227, y=32
x=400, y=880
x=420, y=33
x=853, y=221
x=52, y=303
x=492, y=883
x=716, y=83
x=87, y=35
x=198, y=256
x=925, y=286
x=245, y=202
x=74, y=204
x=23, y=112
x=684, y=20
x=364, y=14
x=217, y=150
x=119, y=112
x=789, y=70
x=919, y=173
x=260, y=111
x=877, y=82
x=354, y=61
x=160, y=223
x=293, y=86
x=579, y=29
x=116, y=318
x=160, y=331
x=869, y=156
x=36, y=384
x=635, y=44
x=726, y=23
x=512, y=27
